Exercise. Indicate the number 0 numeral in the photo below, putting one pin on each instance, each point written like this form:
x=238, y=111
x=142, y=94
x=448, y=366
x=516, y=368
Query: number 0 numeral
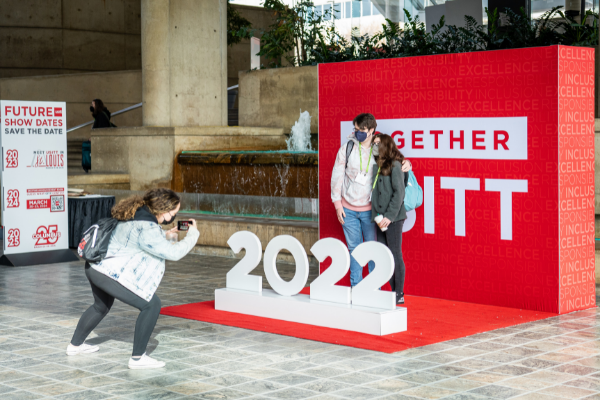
x=297, y=283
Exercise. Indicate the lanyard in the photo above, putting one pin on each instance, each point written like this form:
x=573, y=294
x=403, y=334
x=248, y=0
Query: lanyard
x=377, y=176
x=360, y=156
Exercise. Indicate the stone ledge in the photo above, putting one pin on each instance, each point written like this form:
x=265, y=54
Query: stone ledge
x=248, y=158
x=98, y=179
x=219, y=131
x=215, y=230
x=226, y=252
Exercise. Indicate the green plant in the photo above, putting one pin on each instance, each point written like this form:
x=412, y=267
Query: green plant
x=235, y=23
x=573, y=33
x=303, y=38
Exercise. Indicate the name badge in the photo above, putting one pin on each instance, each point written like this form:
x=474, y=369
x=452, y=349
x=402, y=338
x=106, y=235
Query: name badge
x=361, y=178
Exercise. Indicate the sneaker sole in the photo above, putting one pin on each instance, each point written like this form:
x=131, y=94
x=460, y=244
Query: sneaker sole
x=153, y=366
x=71, y=353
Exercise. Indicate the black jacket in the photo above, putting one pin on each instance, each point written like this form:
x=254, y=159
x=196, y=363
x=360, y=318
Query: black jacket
x=388, y=196
x=102, y=119
x=143, y=214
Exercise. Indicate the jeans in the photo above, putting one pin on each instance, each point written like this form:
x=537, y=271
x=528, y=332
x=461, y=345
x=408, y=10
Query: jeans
x=358, y=225
x=105, y=291
x=392, y=238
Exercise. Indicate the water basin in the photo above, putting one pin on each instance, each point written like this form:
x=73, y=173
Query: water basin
x=277, y=173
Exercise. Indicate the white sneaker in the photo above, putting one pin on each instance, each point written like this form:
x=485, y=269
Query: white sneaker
x=145, y=362
x=83, y=349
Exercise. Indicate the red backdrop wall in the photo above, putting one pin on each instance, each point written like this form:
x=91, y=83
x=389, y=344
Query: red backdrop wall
x=548, y=263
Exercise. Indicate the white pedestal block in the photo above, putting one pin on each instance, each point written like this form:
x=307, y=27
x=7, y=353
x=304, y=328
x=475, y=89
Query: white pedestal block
x=300, y=308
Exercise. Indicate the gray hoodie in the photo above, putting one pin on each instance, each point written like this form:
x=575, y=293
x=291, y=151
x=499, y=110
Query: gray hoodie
x=345, y=191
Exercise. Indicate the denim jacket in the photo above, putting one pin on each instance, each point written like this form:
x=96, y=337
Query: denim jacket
x=137, y=252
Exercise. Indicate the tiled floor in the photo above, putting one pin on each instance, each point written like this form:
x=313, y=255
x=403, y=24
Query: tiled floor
x=557, y=358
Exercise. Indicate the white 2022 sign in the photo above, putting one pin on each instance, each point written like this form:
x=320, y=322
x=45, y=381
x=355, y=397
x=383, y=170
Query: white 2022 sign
x=363, y=308
x=366, y=293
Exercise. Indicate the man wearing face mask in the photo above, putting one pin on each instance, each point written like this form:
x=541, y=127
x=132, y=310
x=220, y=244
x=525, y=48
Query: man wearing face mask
x=351, y=186
x=133, y=268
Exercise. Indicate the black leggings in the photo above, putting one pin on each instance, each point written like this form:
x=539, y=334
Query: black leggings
x=392, y=238
x=105, y=291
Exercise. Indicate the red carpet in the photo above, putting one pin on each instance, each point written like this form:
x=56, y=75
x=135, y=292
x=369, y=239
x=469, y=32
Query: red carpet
x=429, y=321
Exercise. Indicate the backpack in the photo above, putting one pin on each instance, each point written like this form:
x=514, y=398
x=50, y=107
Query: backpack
x=109, y=121
x=413, y=194
x=86, y=155
x=349, y=148
x=94, y=243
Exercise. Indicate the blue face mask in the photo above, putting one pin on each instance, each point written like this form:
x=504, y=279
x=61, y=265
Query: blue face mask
x=360, y=135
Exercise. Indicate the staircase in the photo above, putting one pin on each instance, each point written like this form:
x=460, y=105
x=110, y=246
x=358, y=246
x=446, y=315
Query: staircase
x=233, y=117
x=74, y=157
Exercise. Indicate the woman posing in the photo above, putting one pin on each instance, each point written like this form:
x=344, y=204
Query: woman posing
x=133, y=268
x=388, y=201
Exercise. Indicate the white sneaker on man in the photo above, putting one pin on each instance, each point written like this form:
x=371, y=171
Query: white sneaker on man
x=83, y=349
x=145, y=362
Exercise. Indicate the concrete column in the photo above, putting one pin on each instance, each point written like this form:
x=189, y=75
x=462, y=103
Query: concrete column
x=184, y=57
x=155, y=63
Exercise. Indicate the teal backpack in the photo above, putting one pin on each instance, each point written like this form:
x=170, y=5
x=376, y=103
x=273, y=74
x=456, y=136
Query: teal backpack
x=413, y=194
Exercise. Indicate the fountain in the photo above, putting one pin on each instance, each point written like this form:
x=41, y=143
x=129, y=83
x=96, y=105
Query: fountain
x=300, y=138
x=292, y=172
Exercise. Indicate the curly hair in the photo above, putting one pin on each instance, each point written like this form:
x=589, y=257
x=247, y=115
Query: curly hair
x=159, y=201
x=388, y=153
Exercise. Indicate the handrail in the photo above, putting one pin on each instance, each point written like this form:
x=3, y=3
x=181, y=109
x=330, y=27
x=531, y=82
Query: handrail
x=133, y=107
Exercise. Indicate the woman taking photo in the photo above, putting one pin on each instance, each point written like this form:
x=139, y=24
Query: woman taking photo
x=133, y=268
x=388, y=201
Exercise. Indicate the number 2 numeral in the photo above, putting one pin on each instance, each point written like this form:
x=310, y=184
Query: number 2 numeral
x=367, y=293
x=324, y=287
x=237, y=277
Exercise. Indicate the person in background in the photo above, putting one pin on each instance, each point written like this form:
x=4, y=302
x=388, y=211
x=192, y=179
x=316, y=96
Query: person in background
x=388, y=201
x=133, y=268
x=101, y=115
x=351, y=185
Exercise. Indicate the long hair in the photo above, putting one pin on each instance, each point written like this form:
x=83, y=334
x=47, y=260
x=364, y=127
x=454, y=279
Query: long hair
x=99, y=106
x=159, y=201
x=388, y=153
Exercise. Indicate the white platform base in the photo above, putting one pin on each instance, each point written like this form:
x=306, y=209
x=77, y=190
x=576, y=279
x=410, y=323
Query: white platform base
x=300, y=308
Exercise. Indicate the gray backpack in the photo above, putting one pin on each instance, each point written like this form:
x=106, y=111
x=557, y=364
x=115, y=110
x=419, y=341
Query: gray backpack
x=349, y=148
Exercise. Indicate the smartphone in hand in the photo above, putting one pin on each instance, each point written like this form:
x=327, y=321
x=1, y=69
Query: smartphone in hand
x=183, y=225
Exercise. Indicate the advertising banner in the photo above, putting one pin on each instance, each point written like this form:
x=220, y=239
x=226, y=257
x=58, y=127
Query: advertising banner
x=34, y=176
x=502, y=143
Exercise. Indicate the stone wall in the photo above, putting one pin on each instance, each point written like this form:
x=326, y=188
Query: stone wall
x=238, y=55
x=148, y=154
x=274, y=97
x=47, y=37
x=44, y=37
x=117, y=90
